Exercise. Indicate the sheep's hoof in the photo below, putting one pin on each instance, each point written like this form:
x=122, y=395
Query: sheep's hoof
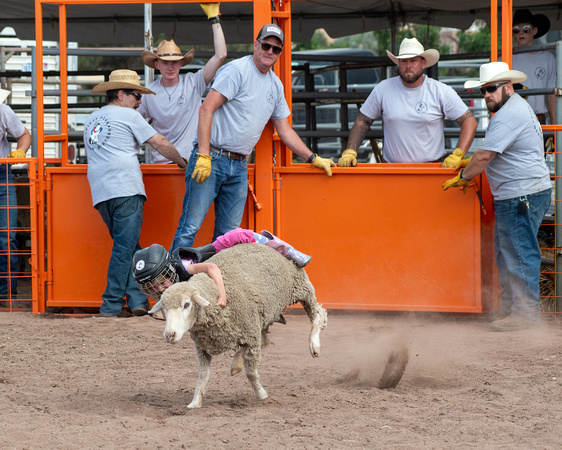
x=195, y=404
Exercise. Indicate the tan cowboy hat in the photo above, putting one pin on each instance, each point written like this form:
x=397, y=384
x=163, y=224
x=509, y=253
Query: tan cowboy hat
x=168, y=51
x=122, y=79
x=410, y=48
x=4, y=95
x=495, y=71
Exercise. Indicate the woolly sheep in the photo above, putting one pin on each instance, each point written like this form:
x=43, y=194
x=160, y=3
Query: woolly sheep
x=259, y=284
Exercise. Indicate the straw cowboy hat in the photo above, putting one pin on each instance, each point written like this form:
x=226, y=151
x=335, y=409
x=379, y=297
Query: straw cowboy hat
x=537, y=20
x=4, y=95
x=410, y=48
x=167, y=51
x=122, y=79
x=496, y=71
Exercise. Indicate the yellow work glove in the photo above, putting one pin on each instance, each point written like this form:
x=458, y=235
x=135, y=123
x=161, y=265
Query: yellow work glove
x=324, y=164
x=17, y=154
x=183, y=168
x=211, y=9
x=348, y=158
x=458, y=181
x=549, y=145
x=453, y=159
x=462, y=163
x=202, y=168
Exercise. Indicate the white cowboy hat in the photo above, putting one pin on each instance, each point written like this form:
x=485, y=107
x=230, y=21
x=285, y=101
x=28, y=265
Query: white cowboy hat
x=122, y=79
x=167, y=51
x=4, y=95
x=410, y=48
x=496, y=71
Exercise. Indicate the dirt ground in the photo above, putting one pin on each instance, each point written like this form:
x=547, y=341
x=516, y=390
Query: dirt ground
x=90, y=382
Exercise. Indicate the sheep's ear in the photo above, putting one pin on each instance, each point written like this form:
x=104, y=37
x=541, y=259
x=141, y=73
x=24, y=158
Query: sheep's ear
x=200, y=301
x=156, y=308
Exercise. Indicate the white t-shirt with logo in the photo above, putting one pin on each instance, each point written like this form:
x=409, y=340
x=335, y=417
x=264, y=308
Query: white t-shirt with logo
x=540, y=69
x=253, y=98
x=413, y=119
x=175, y=112
x=9, y=124
x=112, y=137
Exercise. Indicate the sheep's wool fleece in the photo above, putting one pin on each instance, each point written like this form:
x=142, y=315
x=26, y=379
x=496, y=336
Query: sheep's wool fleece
x=259, y=284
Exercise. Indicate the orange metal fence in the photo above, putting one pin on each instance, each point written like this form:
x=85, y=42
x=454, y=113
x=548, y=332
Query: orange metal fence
x=380, y=234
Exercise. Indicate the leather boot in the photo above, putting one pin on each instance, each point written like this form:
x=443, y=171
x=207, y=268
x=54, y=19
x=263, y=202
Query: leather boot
x=288, y=251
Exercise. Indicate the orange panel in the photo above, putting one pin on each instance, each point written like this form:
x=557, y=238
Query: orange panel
x=81, y=245
x=386, y=240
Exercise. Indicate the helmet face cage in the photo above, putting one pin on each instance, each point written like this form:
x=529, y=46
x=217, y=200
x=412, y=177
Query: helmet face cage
x=156, y=285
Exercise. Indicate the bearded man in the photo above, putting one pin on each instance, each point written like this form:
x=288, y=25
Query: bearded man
x=512, y=156
x=413, y=108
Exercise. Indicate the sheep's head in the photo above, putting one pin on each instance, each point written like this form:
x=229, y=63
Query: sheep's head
x=178, y=303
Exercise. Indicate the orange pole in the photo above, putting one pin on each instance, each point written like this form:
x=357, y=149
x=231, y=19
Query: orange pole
x=63, y=61
x=507, y=38
x=494, y=30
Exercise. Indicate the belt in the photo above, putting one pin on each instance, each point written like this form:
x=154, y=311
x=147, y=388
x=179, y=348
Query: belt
x=229, y=155
x=541, y=117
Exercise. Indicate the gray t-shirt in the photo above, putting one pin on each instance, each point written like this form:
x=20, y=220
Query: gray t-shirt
x=252, y=99
x=413, y=118
x=175, y=112
x=518, y=168
x=112, y=136
x=540, y=69
x=9, y=123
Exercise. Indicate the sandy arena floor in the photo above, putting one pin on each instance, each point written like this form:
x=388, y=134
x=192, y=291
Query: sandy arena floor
x=91, y=382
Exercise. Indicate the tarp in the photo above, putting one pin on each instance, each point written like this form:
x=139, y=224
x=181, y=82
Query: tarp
x=123, y=24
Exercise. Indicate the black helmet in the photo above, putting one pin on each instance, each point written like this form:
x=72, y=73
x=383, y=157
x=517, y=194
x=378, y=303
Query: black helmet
x=154, y=270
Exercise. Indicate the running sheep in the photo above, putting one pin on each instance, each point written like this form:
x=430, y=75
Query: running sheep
x=259, y=284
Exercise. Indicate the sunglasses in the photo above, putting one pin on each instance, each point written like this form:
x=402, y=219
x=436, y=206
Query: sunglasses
x=265, y=47
x=137, y=96
x=492, y=88
x=525, y=29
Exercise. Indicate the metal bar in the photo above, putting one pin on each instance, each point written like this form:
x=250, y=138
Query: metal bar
x=558, y=185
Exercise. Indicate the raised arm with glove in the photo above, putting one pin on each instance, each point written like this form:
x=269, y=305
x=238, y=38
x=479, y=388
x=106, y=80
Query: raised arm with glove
x=212, y=11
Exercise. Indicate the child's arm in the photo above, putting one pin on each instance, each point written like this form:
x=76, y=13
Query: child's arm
x=215, y=274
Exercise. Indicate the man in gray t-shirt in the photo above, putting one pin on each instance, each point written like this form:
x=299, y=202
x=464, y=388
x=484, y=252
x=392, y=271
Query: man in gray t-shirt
x=512, y=156
x=246, y=94
x=112, y=137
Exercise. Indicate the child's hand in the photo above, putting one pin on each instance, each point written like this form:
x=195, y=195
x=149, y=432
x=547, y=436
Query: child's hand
x=222, y=301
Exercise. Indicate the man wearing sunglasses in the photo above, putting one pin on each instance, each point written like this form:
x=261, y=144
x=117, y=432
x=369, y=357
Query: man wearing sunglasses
x=512, y=156
x=245, y=95
x=413, y=108
x=112, y=137
x=540, y=67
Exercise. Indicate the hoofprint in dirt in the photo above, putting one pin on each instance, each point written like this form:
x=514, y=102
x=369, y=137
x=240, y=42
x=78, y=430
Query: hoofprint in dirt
x=114, y=383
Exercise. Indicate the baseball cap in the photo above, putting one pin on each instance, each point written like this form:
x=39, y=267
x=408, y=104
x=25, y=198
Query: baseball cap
x=271, y=30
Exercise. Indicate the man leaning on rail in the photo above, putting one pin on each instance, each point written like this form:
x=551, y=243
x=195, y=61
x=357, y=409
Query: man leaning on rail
x=512, y=156
x=413, y=108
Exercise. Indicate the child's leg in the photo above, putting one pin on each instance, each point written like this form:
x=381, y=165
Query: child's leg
x=237, y=236
x=287, y=250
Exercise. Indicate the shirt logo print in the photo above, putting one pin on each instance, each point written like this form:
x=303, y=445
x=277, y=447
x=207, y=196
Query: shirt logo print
x=421, y=107
x=540, y=72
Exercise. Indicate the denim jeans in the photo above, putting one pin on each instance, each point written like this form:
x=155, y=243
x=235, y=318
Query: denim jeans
x=8, y=241
x=123, y=218
x=518, y=255
x=227, y=186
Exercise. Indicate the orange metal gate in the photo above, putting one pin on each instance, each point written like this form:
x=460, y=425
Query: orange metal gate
x=381, y=236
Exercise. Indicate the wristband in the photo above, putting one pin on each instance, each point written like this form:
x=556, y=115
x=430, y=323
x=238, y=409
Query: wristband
x=311, y=158
x=461, y=177
x=215, y=19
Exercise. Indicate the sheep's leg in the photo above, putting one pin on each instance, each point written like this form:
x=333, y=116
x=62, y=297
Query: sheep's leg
x=204, y=364
x=237, y=361
x=319, y=318
x=251, y=360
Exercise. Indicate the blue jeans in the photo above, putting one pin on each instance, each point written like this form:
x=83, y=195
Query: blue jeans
x=8, y=241
x=518, y=255
x=227, y=186
x=123, y=218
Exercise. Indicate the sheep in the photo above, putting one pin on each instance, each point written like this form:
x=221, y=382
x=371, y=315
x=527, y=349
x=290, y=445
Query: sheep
x=259, y=284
